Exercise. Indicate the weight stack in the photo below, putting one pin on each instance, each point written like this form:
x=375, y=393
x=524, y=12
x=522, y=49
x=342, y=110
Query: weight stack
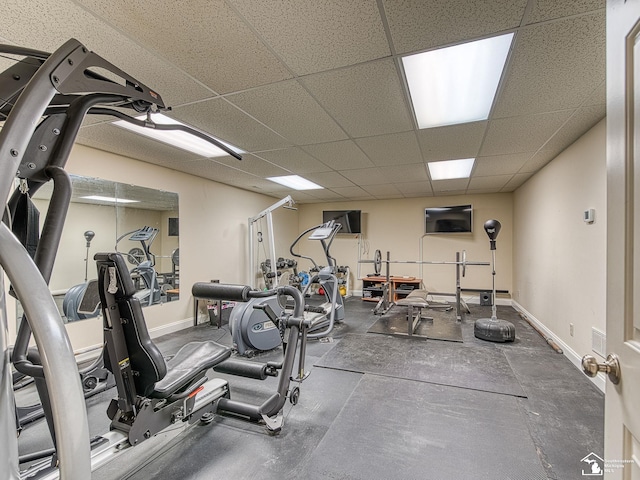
x=494, y=330
x=486, y=299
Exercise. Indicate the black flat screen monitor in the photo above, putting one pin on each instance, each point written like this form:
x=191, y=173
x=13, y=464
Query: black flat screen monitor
x=349, y=219
x=456, y=219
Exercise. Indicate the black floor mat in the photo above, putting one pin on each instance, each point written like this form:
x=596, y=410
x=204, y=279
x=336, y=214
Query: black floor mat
x=444, y=363
x=436, y=327
x=424, y=431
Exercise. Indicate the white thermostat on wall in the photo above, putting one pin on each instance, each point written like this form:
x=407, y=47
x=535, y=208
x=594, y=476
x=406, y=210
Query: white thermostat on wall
x=589, y=215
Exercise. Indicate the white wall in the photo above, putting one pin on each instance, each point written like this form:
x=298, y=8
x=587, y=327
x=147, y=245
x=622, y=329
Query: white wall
x=559, y=260
x=213, y=233
x=398, y=225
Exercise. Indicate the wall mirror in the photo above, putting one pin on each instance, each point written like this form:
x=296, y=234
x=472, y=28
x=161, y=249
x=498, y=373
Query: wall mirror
x=141, y=223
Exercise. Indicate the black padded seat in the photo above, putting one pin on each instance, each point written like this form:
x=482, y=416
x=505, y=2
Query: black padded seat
x=192, y=359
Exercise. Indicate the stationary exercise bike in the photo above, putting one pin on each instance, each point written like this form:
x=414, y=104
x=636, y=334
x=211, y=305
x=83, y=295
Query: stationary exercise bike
x=251, y=324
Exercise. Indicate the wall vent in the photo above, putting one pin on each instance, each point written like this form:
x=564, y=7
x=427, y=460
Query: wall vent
x=598, y=342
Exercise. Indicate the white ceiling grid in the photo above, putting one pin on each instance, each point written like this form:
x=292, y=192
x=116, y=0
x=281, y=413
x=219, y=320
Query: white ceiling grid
x=316, y=88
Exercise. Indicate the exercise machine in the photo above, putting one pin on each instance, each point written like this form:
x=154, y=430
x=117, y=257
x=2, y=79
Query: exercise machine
x=45, y=98
x=251, y=324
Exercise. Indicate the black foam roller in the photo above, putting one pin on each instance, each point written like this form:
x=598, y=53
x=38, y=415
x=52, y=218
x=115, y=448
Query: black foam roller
x=243, y=368
x=219, y=291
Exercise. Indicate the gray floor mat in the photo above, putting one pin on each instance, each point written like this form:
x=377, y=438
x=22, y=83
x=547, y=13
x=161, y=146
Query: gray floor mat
x=424, y=431
x=444, y=363
x=435, y=328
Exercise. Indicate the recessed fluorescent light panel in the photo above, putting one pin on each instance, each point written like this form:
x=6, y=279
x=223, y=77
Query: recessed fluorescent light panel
x=450, y=169
x=100, y=198
x=177, y=138
x=456, y=84
x=296, y=182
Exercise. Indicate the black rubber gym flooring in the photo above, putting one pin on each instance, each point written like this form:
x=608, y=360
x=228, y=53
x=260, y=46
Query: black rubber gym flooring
x=384, y=407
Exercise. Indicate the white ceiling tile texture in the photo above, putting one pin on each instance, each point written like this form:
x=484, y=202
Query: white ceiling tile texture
x=317, y=88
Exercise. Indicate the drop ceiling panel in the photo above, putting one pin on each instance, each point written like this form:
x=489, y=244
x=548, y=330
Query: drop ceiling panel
x=415, y=188
x=500, y=164
x=382, y=191
x=521, y=134
x=64, y=19
x=394, y=149
x=443, y=186
x=405, y=173
x=365, y=99
x=227, y=57
x=495, y=182
x=598, y=96
x=218, y=172
x=581, y=121
x=123, y=142
x=344, y=155
x=542, y=10
x=517, y=181
x=325, y=195
x=304, y=197
x=553, y=65
x=254, y=165
x=295, y=160
x=539, y=160
x=352, y=192
x=311, y=36
x=365, y=176
x=226, y=122
x=329, y=179
x=451, y=142
x=289, y=109
x=421, y=25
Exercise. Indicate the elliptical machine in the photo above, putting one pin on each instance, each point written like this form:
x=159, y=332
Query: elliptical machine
x=251, y=326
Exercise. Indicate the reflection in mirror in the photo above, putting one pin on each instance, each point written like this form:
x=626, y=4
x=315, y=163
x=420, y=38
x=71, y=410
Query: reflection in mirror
x=104, y=216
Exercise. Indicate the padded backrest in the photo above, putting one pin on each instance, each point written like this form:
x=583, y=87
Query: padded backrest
x=130, y=340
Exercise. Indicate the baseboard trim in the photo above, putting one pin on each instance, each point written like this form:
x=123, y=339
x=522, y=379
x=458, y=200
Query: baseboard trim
x=599, y=380
x=92, y=352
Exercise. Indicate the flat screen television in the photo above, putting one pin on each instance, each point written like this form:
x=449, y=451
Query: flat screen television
x=455, y=219
x=349, y=219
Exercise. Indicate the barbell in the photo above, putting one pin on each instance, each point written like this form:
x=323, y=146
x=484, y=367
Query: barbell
x=377, y=262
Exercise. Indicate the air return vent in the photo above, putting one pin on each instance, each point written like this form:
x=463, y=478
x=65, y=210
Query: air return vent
x=598, y=342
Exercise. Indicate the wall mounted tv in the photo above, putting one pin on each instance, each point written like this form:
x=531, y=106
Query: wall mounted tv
x=349, y=219
x=456, y=219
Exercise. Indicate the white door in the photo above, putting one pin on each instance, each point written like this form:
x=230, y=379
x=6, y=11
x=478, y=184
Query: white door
x=622, y=401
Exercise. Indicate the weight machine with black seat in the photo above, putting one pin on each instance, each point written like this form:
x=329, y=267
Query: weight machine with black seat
x=45, y=98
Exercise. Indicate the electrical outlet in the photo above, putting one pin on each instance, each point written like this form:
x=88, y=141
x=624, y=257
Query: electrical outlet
x=571, y=329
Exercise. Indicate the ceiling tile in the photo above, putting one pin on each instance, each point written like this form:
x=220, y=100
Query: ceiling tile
x=295, y=160
x=518, y=180
x=325, y=194
x=521, y=134
x=405, y=173
x=421, y=25
x=500, y=164
x=254, y=165
x=382, y=191
x=226, y=57
x=578, y=124
x=329, y=179
x=23, y=25
x=365, y=176
x=352, y=192
x=344, y=155
x=484, y=183
x=208, y=168
x=598, y=96
x=311, y=36
x=394, y=149
x=451, y=142
x=552, y=65
x=304, y=197
x=288, y=109
x=123, y=142
x=415, y=188
x=543, y=10
x=365, y=99
x=443, y=186
x=226, y=122
x=539, y=160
